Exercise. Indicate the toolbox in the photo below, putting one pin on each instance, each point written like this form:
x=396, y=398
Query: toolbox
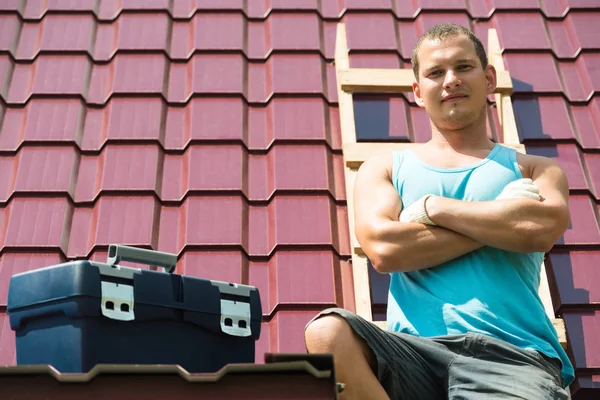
x=75, y=315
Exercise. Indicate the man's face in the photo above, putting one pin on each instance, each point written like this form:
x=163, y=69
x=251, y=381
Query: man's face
x=452, y=85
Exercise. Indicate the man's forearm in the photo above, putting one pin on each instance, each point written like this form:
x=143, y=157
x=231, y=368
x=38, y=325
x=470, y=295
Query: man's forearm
x=520, y=225
x=397, y=246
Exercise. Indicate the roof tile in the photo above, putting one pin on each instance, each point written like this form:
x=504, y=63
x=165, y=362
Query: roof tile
x=111, y=9
x=261, y=221
x=290, y=119
x=123, y=119
x=132, y=32
x=210, y=5
x=123, y=168
x=201, y=168
x=300, y=221
x=41, y=121
x=285, y=73
x=226, y=266
x=574, y=33
x=592, y=162
x=122, y=75
x=257, y=9
x=9, y=24
x=366, y=4
x=7, y=177
x=50, y=75
x=131, y=220
x=279, y=171
x=214, y=220
x=259, y=276
x=46, y=169
x=543, y=118
x=371, y=32
x=7, y=342
x=584, y=25
x=10, y=5
x=37, y=9
x=287, y=331
x=579, y=78
x=280, y=32
x=208, y=32
x=375, y=60
x=583, y=330
x=584, y=228
x=564, y=44
x=6, y=71
x=206, y=119
x=533, y=72
x=262, y=344
x=522, y=31
x=587, y=122
x=576, y=275
x=55, y=33
x=33, y=222
x=3, y=225
x=222, y=73
x=347, y=283
x=515, y=4
x=294, y=277
x=553, y=8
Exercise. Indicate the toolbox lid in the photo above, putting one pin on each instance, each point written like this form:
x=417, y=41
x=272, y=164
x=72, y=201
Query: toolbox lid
x=87, y=288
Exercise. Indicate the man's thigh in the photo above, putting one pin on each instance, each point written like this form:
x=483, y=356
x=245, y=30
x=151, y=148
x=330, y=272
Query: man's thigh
x=407, y=367
x=501, y=371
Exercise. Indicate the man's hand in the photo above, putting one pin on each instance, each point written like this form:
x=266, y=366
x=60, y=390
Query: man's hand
x=520, y=189
x=417, y=212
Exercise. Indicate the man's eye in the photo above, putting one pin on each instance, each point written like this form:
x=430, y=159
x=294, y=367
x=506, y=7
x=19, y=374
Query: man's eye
x=464, y=66
x=434, y=73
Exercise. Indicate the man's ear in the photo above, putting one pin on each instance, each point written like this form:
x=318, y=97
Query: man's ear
x=417, y=93
x=491, y=78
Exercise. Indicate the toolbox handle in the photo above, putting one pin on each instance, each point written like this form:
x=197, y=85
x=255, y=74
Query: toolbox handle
x=118, y=252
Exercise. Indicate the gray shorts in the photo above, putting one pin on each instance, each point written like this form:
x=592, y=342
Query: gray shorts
x=468, y=366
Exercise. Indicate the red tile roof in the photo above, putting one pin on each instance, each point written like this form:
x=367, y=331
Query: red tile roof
x=211, y=129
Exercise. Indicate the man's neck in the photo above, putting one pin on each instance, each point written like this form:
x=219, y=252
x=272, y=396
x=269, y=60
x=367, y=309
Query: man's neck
x=472, y=138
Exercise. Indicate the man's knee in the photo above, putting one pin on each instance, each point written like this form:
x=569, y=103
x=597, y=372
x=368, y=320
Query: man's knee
x=327, y=332
x=331, y=333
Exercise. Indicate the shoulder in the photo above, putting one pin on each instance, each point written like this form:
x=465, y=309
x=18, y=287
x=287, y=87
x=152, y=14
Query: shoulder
x=378, y=164
x=532, y=166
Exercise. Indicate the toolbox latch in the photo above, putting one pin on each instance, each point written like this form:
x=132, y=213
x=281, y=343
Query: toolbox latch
x=235, y=318
x=117, y=301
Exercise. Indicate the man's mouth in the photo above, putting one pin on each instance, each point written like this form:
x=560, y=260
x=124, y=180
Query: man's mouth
x=454, y=97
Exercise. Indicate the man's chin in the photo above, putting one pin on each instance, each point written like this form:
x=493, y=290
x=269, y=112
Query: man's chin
x=457, y=121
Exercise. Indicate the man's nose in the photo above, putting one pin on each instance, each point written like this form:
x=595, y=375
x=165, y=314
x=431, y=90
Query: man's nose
x=451, y=80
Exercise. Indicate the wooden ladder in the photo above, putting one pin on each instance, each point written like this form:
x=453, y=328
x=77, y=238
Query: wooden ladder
x=373, y=80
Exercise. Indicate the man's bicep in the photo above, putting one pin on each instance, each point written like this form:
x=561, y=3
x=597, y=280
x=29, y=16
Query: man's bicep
x=375, y=198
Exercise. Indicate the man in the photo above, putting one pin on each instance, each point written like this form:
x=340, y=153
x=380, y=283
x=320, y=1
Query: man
x=461, y=224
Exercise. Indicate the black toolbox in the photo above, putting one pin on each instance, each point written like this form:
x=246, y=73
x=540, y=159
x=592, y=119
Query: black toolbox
x=75, y=315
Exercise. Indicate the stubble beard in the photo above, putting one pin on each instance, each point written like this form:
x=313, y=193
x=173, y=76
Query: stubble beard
x=460, y=119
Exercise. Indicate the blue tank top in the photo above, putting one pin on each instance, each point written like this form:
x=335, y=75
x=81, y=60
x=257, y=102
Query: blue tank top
x=488, y=291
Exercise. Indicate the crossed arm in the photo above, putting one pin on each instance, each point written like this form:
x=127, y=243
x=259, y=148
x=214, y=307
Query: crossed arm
x=520, y=225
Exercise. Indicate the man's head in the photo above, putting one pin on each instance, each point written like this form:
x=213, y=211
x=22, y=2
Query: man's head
x=453, y=77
